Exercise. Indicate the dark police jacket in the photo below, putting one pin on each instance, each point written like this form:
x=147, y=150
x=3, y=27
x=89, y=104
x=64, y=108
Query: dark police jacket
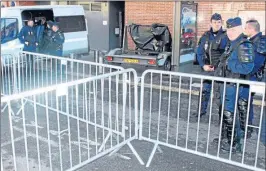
x=58, y=40
x=259, y=42
x=238, y=59
x=211, y=47
x=28, y=34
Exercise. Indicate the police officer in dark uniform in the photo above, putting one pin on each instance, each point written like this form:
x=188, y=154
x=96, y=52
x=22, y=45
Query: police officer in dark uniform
x=46, y=44
x=27, y=36
x=58, y=40
x=252, y=30
x=40, y=31
x=238, y=63
x=211, y=46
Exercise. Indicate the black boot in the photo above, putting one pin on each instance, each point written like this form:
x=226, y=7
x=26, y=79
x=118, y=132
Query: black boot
x=223, y=135
x=243, y=112
x=223, y=132
x=228, y=121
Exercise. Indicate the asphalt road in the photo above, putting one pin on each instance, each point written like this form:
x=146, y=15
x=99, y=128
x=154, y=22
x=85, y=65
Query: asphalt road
x=107, y=106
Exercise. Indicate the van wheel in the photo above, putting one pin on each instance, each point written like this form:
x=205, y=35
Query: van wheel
x=167, y=65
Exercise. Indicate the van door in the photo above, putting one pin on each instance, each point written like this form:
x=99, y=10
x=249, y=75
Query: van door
x=10, y=29
x=73, y=24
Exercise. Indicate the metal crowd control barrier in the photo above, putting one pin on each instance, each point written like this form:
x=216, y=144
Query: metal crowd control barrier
x=91, y=123
x=167, y=103
x=65, y=113
x=33, y=70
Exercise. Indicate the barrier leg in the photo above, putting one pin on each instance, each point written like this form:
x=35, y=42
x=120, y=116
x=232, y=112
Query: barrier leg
x=113, y=152
x=152, y=154
x=135, y=153
x=105, y=140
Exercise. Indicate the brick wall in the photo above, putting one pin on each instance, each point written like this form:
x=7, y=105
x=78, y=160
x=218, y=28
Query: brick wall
x=19, y=3
x=148, y=13
x=162, y=12
x=26, y=3
x=226, y=9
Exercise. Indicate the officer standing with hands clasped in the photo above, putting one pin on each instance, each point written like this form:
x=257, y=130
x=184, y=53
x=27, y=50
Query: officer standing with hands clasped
x=27, y=36
x=237, y=62
x=210, y=48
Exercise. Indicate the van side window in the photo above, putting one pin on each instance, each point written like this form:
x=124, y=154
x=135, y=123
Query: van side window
x=71, y=23
x=9, y=29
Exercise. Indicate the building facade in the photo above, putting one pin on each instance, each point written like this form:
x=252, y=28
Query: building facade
x=187, y=19
x=163, y=12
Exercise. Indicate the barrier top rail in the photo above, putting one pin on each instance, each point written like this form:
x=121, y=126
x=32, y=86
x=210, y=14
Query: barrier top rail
x=222, y=79
x=5, y=99
x=73, y=60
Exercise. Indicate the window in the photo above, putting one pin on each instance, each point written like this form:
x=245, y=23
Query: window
x=9, y=29
x=97, y=6
x=71, y=23
x=86, y=7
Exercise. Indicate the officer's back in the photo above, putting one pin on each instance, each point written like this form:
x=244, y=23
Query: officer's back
x=46, y=45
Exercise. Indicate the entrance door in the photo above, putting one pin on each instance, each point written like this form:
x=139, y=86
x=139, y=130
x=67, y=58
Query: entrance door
x=97, y=20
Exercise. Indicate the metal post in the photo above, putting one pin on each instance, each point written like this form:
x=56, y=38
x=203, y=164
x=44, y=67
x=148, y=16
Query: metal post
x=72, y=56
x=96, y=56
x=100, y=60
x=176, y=44
x=14, y=61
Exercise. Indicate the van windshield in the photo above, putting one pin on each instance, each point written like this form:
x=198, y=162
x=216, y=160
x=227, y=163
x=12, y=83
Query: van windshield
x=9, y=29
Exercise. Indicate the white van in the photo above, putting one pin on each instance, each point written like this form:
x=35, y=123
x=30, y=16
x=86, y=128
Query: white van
x=71, y=19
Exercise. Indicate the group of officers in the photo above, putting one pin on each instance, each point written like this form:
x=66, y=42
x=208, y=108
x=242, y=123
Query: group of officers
x=234, y=53
x=45, y=37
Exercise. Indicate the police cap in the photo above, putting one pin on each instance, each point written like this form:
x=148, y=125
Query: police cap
x=50, y=23
x=216, y=16
x=56, y=24
x=233, y=22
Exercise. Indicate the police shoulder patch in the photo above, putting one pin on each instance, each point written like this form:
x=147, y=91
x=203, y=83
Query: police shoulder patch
x=246, y=51
x=261, y=45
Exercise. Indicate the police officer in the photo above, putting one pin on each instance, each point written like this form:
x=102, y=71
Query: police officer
x=27, y=36
x=40, y=31
x=211, y=46
x=58, y=40
x=252, y=30
x=57, y=47
x=238, y=63
x=46, y=45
